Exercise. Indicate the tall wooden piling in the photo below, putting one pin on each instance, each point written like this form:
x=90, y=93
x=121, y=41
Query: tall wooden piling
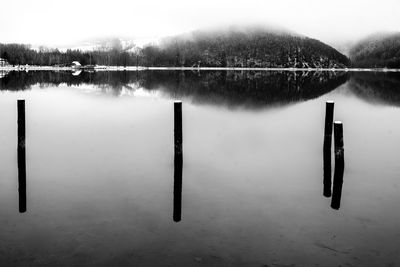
x=21, y=154
x=339, y=165
x=178, y=161
x=327, y=182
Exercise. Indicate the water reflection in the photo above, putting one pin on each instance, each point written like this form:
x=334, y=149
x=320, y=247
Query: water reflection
x=3, y=73
x=76, y=73
x=232, y=88
x=178, y=164
x=244, y=88
x=237, y=181
x=252, y=89
x=327, y=171
x=16, y=80
x=377, y=87
x=337, y=184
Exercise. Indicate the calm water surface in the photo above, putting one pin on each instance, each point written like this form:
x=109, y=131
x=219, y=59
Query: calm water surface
x=100, y=169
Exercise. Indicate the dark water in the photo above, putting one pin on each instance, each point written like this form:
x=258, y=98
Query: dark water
x=100, y=169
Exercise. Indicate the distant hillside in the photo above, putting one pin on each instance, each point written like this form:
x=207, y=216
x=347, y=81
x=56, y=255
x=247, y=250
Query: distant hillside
x=248, y=47
x=243, y=47
x=377, y=51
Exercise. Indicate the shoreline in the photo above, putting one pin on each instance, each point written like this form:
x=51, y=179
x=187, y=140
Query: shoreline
x=141, y=68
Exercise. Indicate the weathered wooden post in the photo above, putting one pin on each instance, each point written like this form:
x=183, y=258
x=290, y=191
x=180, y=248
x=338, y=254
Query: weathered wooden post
x=178, y=126
x=339, y=165
x=21, y=155
x=328, y=123
x=327, y=148
x=178, y=161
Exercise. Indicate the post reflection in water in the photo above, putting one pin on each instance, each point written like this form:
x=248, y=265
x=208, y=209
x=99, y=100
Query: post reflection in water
x=337, y=185
x=339, y=166
x=178, y=164
x=327, y=171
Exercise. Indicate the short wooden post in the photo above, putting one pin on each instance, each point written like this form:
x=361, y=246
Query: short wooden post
x=21, y=155
x=339, y=165
x=178, y=161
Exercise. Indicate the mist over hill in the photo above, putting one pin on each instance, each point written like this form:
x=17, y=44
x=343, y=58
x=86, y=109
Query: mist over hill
x=243, y=47
x=248, y=47
x=377, y=51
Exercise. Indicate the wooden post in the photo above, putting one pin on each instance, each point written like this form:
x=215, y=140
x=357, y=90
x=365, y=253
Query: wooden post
x=339, y=145
x=178, y=126
x=327, y=182
x=339, y=165
x=328, y=123
x=178, y=161
x=21, y=155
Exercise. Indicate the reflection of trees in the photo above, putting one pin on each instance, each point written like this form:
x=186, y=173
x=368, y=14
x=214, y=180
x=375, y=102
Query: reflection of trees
x=104, y=80
x=3, y=73
x=249, y=88
x=378, y=87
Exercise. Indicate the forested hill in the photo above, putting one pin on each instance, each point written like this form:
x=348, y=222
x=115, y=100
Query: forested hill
x=234, y=47
x=377, y=51
x=250, y=47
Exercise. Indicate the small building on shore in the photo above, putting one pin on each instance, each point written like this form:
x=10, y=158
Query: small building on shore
x=4, y=62
x=76, y=65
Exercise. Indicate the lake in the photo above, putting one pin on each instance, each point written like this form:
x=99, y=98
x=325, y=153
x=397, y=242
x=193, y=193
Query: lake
x=100, y=169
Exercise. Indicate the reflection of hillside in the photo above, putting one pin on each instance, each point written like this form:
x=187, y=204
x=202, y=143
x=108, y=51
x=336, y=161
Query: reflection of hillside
x=104, y=80
x=246, y=88
x=232, y=88
x=376, y=87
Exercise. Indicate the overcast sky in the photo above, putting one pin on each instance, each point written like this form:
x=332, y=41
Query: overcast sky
x=66, y=22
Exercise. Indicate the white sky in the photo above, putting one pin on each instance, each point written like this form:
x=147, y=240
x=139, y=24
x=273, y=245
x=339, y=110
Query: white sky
x=67, y=22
